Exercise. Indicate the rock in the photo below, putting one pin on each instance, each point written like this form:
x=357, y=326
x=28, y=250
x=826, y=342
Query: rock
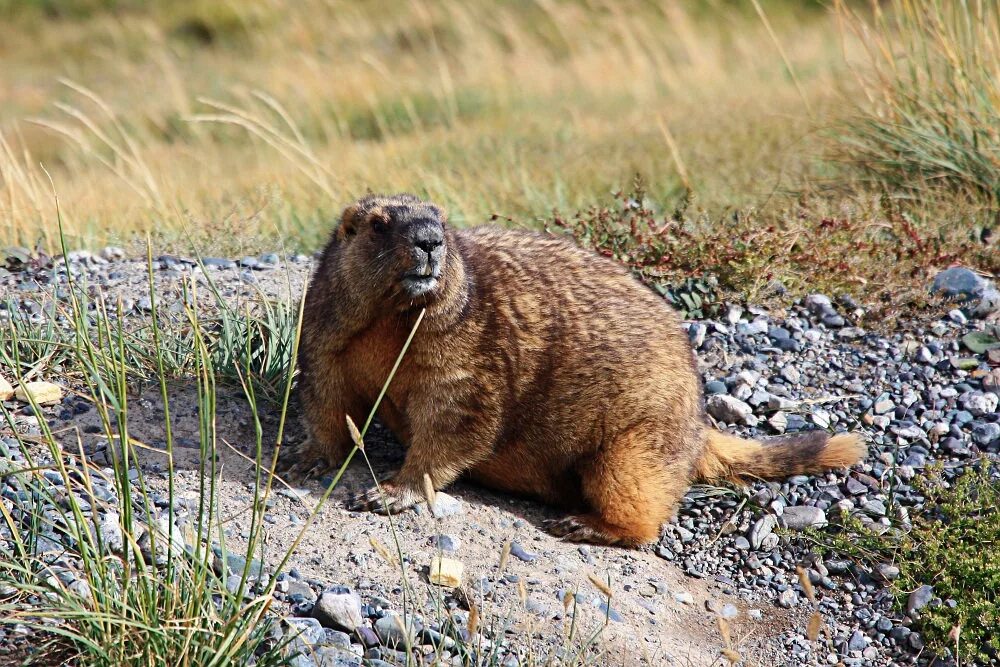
x=449, y=544
x=169, y=541
x=715, y=387
x=979, y=403
x=446, y=505
x=800, y=517
x=684, y=597
x=112, y=253
x=959, y=282
x=392, y=632
x=919, y=599
x=886, y=572
x=110, y=531
x=873, y=507
x=446, y=572
x=991, y=381
x=817, y=304
x=308, y=630
x=728, y=409
x=763, y=527
x=787, y=598
x=367, y=636
x=778, y=421
x=989, y=302
x=6, y=390
x=338, y=608
x=985, y=433
x=857, y=642
x=219, y=263
x=43, y=393
x=696, y=334
x=791, y=374
x=520, y=553
x=821, y=418
x=957, y=316
x=883, y=405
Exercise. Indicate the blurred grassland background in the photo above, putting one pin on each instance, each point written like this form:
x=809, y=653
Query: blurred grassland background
x=231, y=126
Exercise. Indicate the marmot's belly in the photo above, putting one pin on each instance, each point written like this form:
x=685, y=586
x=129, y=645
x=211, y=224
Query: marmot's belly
x=522, y=470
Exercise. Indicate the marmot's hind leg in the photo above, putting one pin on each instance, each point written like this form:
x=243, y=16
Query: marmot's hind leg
x=631, y=490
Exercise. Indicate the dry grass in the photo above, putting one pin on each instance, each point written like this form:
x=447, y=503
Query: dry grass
x=252, y=123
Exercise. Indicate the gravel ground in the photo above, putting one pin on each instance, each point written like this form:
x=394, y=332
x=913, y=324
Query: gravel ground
x=917, y=394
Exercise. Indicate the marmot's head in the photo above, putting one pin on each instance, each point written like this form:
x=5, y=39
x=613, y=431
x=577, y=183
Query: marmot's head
x=396, y=245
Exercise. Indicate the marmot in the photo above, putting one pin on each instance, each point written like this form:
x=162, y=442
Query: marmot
x=540, y=368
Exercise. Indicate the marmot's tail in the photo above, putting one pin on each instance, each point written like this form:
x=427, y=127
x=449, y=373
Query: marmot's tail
x=728, y=457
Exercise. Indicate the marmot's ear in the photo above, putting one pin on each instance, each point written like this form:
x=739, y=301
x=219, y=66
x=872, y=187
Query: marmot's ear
x=378, y=218
x=350, y=219
x=439, y=212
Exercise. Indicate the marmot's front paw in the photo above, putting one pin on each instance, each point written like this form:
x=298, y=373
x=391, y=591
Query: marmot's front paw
x=390, y=499
x=303, y=460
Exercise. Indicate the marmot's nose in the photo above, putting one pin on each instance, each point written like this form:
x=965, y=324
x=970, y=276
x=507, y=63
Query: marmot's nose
x=428, y=242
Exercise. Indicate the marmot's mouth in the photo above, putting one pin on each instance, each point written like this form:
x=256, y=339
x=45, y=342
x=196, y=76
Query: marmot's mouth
x=416, y=284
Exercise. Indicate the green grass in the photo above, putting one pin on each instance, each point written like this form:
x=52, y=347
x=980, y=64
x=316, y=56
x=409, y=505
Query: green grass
x=934, y=86
x=154, y=596
x=952, y=546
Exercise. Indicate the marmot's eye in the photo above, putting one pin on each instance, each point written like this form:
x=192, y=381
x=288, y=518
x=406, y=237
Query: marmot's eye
x=380, y=223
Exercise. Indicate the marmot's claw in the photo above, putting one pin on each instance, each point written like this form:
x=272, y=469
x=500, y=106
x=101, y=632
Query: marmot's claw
x=562, y=527
x=575, y=529
x=389, y=499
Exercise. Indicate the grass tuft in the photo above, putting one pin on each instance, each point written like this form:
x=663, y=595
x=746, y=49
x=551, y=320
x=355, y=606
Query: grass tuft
x=952, y=546
x=932, y=80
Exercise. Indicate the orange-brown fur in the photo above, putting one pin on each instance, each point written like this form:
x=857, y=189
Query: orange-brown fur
x=540, y=368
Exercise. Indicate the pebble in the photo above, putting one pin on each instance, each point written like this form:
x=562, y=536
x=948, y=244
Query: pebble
x=393, y=633
x=338, y=608
x=521, y=553
x=42, y=393
x=728, y=409
x=802, y=517
x=919, y=599
x=446, y=505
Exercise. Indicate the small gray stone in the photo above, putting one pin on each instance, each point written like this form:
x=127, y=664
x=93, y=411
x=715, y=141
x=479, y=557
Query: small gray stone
x=696, y=334
x=684, y=597
x=521, y=553
x=874, y=507
x=819, y=304
x=338, y=608
x=728, y=409
x=763, y=527
x=713, y=387
x=985, y=433
x=800, y=517
x=791, y=374
x=308, y=630
x=919, y=599
x=393, y=633
x=447, y=543
x=857, y=642
x=787, y=598
x=446, y=505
